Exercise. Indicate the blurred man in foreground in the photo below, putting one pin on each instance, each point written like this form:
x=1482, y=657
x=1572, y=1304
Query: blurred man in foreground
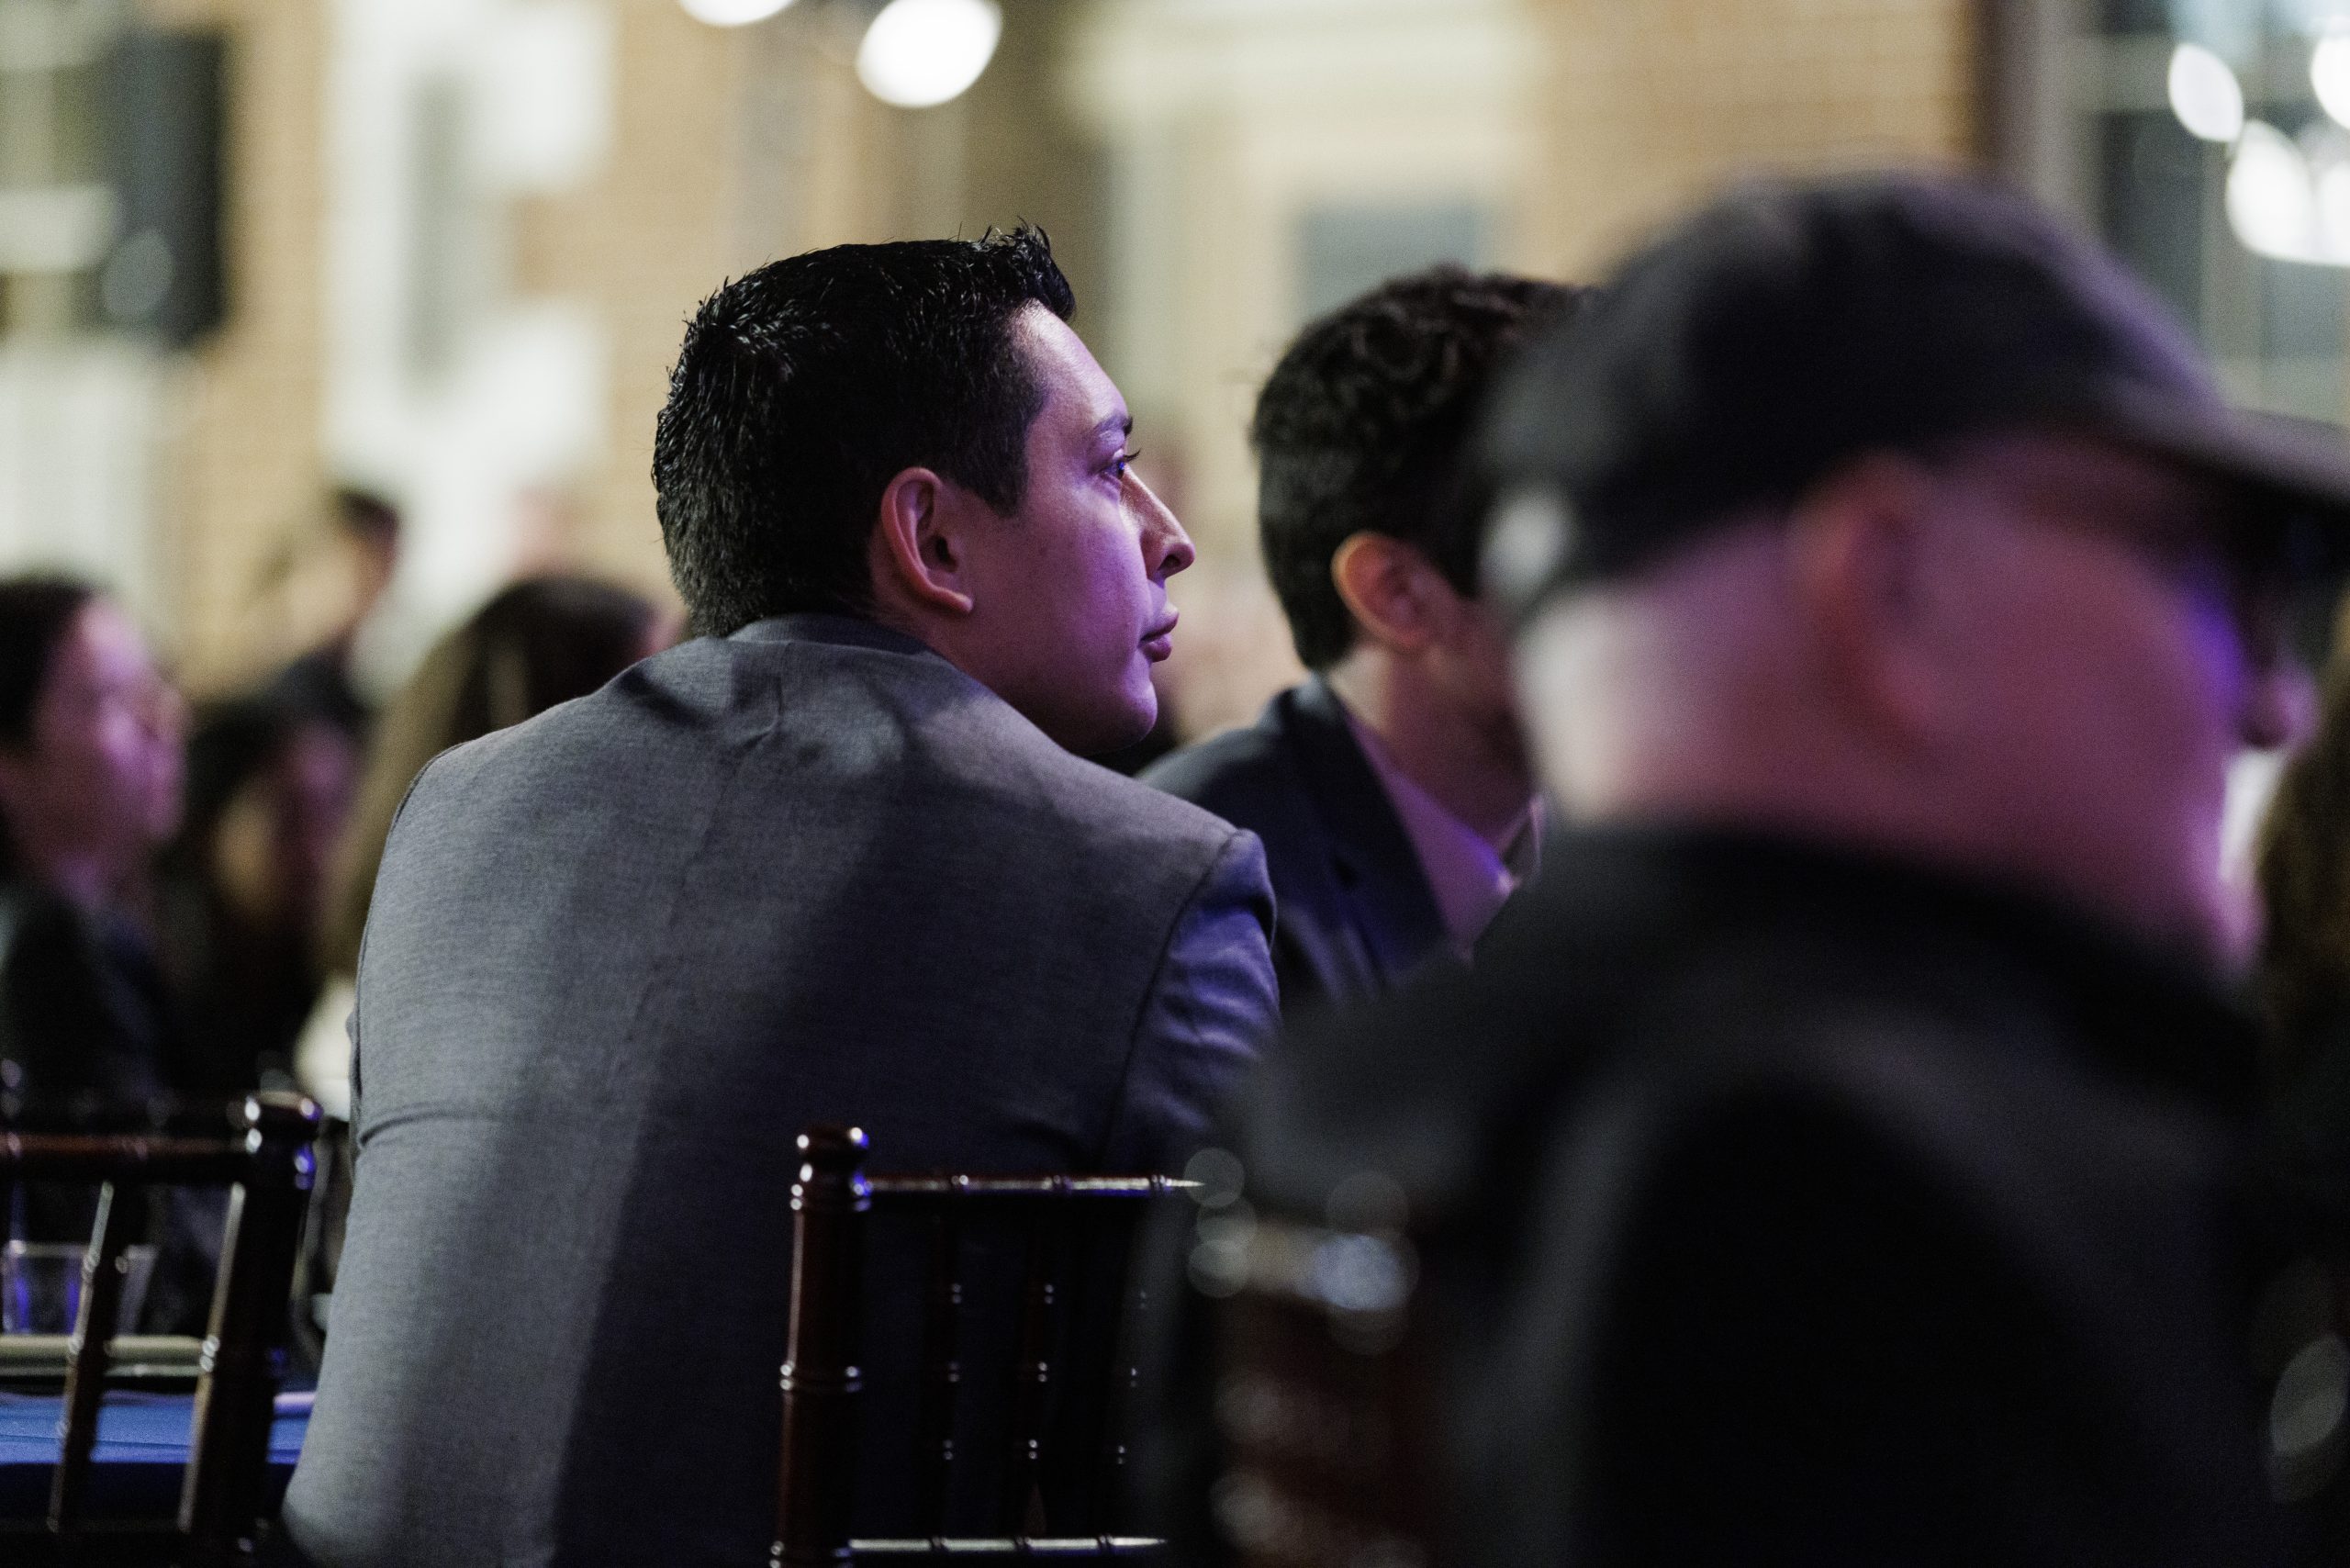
x=1391, y=787
x=1833, y=1161
x=831, y=861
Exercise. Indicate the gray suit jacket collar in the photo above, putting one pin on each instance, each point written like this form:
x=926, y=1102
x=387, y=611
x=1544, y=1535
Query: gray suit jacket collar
x=841, y=630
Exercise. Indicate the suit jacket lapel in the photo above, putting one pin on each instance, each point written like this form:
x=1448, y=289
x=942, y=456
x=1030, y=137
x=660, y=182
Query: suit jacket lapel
x=1377, y=870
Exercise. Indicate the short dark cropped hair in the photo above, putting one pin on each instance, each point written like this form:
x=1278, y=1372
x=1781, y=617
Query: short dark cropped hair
x=1365, y=426
x=804, y=387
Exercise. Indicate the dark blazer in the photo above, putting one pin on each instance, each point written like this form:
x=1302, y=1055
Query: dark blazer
x=1355, y=915
x=1778, y=1203
x=88, y=1036
x=617, y=957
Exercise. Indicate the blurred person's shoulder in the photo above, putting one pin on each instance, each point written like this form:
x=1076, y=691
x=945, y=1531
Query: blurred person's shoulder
x=1257, y=775
x=1681, y=983
x=1260, y=778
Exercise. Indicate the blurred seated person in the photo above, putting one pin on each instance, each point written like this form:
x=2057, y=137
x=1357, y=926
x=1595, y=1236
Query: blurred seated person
x=2302, y=985
x=90, y=769
x=1391, y=787
x=1839, y=1157
x=2302, y=980
x=536, y=643
x=366, y=532
x=242, y=888
x=839, y=858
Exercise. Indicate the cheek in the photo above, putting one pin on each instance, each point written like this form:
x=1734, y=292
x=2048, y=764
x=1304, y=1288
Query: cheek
x=77, y=763
x=1112, y=593
x=2157, y=728
x=128, y=754
x=2093, y=703
x=125, y=775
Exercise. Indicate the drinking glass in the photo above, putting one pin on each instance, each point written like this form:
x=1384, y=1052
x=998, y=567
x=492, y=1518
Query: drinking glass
x=41, y=1286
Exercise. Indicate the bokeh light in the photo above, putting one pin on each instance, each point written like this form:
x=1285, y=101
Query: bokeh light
x=731, y=13
x=919, y=53
x=2204, y=94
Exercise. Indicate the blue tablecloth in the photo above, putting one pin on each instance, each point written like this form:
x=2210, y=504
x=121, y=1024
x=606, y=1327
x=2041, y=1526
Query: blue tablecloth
x=142, y=1446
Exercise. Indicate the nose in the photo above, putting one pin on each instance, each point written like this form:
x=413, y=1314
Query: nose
x=1165, y=548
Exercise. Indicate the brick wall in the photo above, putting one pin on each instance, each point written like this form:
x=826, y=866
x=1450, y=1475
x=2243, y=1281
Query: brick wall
x=733, y=146
x=641, y=245
x=240, y=474
x=1650, y=106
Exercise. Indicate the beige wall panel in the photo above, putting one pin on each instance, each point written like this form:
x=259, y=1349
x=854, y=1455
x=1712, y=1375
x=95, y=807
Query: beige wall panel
x=641, y=246
x=1652, y=106
x=241, y=475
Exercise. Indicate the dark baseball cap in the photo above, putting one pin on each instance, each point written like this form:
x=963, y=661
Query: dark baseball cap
x=1751, y=349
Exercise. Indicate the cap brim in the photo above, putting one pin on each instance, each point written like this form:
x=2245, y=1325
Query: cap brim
x=2299, y=466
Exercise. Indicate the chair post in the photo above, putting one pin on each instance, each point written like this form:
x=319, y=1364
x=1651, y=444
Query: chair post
x=820, y=1379
x=87, y=1356
x=942, y=1373
x=1121, y=1406
x=1032, y=1387
x=244, y=1344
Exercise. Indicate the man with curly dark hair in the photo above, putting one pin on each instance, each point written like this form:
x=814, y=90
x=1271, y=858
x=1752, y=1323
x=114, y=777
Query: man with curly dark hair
x=1391, y=787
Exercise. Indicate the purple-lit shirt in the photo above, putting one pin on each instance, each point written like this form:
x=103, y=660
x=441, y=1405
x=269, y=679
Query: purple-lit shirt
x=1470, y=878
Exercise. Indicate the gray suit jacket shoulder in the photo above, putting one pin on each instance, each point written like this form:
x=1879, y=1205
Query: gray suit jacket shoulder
x=1357, y=915
x=618, y=958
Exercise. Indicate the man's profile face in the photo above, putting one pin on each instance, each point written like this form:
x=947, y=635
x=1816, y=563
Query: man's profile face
x=2113, y=679
x=1069, y=594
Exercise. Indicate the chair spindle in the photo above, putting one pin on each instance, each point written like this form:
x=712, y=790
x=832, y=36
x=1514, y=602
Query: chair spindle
x=87, y=1356
x=1121, y=1406
x=1033, y=1381
x=941, y=1372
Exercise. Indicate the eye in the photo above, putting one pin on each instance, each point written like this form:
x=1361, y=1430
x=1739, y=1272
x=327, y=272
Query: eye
x=1120, y=464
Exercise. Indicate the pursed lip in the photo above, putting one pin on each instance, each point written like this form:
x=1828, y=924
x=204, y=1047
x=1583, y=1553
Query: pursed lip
x=1159, y=640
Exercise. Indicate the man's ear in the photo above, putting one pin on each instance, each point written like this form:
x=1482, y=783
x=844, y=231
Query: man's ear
x=1861, y=552
x=1393, y=591
x=920, y=545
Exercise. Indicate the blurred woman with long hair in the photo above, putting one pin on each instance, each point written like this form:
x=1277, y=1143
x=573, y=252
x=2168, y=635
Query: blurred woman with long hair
x=543, y=641
x=90, y=773
x=240, y=892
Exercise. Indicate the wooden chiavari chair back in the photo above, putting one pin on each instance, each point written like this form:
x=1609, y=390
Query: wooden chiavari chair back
x=1063, y=1221
x=267, y=1170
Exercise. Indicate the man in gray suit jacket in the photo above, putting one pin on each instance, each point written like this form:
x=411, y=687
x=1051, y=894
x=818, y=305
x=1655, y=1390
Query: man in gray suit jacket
x=831, y=861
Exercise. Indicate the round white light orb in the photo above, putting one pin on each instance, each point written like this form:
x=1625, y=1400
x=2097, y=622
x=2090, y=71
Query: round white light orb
x=2271, y=197
x=2330, y=75
x=920, y=52
x=731, y=13
x=2204, y=94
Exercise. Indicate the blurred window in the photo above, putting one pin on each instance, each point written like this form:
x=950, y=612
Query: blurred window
x=56, y=215
x=109, y=176
x=1346, y=250
x=2279, y=330
x=2137, y=15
